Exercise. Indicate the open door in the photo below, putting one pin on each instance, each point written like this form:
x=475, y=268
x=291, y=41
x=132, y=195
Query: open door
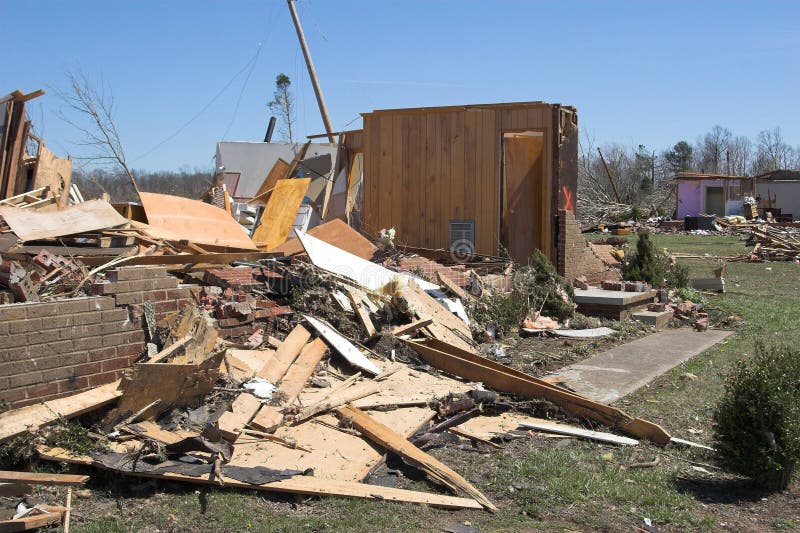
x=715, y=201
x=523, y=227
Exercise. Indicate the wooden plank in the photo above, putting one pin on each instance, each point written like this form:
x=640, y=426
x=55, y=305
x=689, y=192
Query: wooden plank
x=243, y=409
x=337, y=399
x=444, y=322
x=151, y=430
x=280, y=212
x=285, y=355
x=451, y=286
x=88, y=216
x=18, y=421
x=386, y=438
x=269, y=417
x=573, y=431
x=413, y=326
x=361, y=313
x=296, y=485
x=337, y=233
x=170, y=350
x=279, y=171
x=292, y=166
x=344, y=347
x=502, y=378
x=34, y=478
x=30, y=522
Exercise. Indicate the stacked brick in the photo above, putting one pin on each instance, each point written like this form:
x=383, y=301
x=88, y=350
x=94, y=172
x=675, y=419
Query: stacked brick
x=133, y=286
x=457, y=274
x=576, y=257
x=49, y=350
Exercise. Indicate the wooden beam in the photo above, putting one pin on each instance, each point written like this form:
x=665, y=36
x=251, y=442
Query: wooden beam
x=413, y=326
x=388, y=439
x=361, y=313
x=505, y=379
x=269, y=417
x=243, y=409
x=337, y=399
x=30, y=522
x=296, y=485
x=70, y=480
x=285, y=355
x=169, y=350
x=18, y=421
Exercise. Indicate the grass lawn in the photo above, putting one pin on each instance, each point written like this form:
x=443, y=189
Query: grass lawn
x=538, y=484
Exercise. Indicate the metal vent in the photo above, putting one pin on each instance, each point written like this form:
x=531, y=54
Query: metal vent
x=462, y=236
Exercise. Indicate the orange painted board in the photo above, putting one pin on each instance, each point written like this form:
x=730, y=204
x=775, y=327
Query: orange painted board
x=175, y=218
x=280, y=212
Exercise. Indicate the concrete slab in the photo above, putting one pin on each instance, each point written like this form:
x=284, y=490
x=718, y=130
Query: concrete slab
x=659, y=319
x=594, y=295
x=615, y=373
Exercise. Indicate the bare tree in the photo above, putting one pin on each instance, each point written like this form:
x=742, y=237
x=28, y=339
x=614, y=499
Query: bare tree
x=711, y=150
x=772, y=152
x=90, y=111
x=739, y=155
x=282, y=105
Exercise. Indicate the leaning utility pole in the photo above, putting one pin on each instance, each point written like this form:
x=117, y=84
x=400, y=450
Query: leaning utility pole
x=311, y=72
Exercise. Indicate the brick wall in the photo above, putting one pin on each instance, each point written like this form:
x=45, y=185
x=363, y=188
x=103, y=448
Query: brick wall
x=576, y=257
x=49, y=350
x=133, y=286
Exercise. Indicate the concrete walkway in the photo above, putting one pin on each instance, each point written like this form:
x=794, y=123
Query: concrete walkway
x=608, y=376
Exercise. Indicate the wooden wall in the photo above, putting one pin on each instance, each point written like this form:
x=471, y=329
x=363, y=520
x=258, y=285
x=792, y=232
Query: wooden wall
x=427, y=166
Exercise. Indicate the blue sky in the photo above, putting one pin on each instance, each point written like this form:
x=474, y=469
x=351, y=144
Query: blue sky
x=638, y=72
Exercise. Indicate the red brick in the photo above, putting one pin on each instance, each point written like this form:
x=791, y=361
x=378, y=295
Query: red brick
x=87, y=343
x=130, y=298
x=43, y=310
x=73, y=385
x=64, y=346
x=165, y=307
x=22, y=380
x=115, y=339
x=24, y=326
x=115, y=315
x=47, y=336
x=102, y=353
x=13, y=311
x=101, y=379
x=76, y=358
x=44, y=389
x=141, y=285
x=77, y=305
x=115, y=364
x=87, y=369
x=127, y=350
x=102, y=304
x=12, y=341
x=13, y=395
x=165, y=283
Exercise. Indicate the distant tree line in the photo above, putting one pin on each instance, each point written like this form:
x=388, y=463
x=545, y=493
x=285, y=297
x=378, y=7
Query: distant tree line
x=639, y=172
x=189, y=183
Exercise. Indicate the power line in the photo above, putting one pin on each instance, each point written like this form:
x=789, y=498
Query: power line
x=241, y=92
x=204, y=108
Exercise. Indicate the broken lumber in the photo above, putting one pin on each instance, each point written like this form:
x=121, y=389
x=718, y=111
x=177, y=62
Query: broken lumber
x=243, y=409
x=502, y=378
x=30, y=522
x=451, y=286
x=269, y=417
x=33, y=478
x=445, y=326
x=388, y=439
x=572, y=431
x=361, y=313
x=413, y=326
x=169, y=350
x=285, y=355
x=337, y=399
x=296, y=485
x=18, y=421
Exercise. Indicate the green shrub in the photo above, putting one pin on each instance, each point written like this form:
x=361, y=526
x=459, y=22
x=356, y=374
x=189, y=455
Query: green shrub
x=645, y=264
x=758, y=419
x=541, y=286
x=677, y=276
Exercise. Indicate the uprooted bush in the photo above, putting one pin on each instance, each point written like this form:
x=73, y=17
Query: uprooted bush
x=534, y=286
x=758, y=419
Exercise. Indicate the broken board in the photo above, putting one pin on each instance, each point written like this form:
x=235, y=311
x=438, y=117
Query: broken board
x=280, y=212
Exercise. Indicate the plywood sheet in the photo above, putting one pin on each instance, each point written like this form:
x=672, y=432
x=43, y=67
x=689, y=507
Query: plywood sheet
x=280, y=212
x=340, y=456
x=278, y=171
x=30, y=225
x=337, y=233
x=175, y=218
